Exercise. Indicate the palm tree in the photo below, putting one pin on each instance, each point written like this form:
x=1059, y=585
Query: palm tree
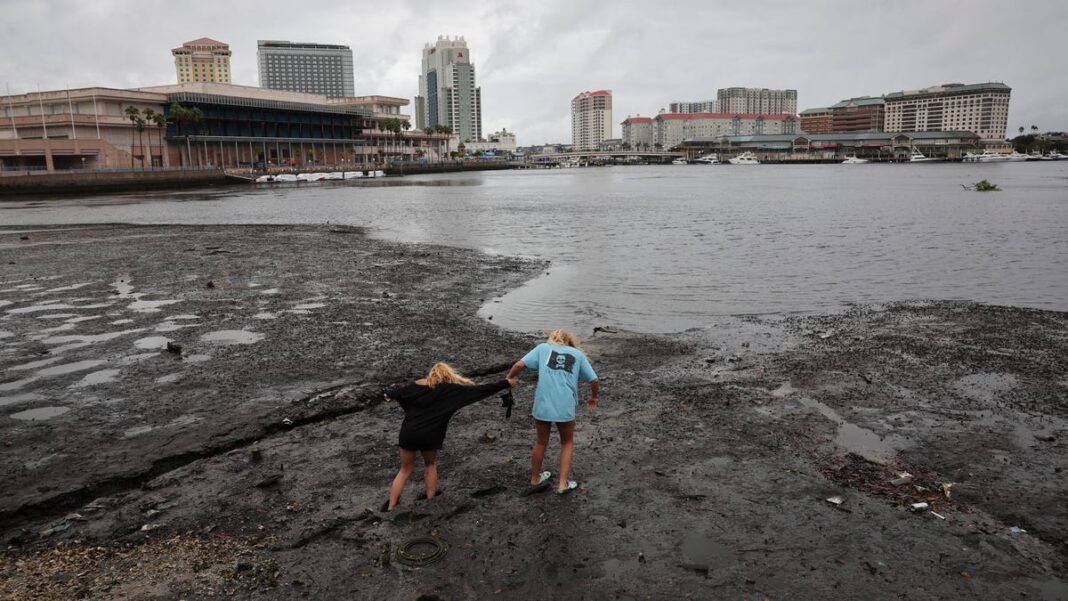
x=150, y=119
x=1021, y=130
x=133, y=114
x=139, y=123
x=160, y=122
x=1034, y=129
x=444, y=129
x=405, y=125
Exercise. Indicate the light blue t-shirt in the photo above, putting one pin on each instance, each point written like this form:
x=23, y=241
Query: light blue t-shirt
x=560, y=369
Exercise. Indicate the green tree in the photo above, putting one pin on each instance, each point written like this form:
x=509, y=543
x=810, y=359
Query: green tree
x=160, y=121
x=133, y=114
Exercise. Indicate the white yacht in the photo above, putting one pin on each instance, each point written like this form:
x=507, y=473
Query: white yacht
x=1016, y=157
x=853, y=160
x=987, y=156
x=746, y=158
x=919, y=157
x=1056, y=156
x=679, y=161
x=708, y=159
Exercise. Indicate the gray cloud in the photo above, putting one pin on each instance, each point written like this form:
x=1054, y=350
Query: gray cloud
x=533, y=57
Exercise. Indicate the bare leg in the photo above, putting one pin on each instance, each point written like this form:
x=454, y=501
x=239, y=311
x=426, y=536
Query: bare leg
x=430, y=473
x=542, y=441
x=567, y=447
x=407, y=462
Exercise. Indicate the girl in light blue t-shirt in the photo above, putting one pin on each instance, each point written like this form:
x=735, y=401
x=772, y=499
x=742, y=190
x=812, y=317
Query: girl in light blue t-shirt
x=561, y=366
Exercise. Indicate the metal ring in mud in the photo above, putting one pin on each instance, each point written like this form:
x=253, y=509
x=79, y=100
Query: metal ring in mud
x=406, y=557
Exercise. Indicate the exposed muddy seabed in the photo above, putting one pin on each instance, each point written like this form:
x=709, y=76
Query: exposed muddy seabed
x=251, y=461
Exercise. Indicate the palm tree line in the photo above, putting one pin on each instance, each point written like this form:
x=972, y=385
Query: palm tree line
x=142, y=119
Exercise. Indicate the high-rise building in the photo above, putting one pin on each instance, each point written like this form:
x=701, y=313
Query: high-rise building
x=448, y=94
x=757, y=101
x=671, y=129
x=591, y=119
x=306, y=67
x=981, y=108
x=202, y=60
x=700, y=106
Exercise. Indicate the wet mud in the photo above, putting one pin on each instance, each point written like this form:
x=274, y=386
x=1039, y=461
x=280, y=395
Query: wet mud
x=237, y=431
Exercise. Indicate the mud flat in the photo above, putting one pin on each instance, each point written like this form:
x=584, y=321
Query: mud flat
x=251, y=461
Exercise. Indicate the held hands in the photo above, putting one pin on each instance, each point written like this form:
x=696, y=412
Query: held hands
x=591, y=403
x=512, y=382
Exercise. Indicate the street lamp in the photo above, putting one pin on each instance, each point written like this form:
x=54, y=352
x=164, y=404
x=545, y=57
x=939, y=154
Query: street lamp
x=83, y=162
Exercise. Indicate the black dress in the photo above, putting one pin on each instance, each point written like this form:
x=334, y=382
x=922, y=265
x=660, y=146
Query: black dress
x=427, y=411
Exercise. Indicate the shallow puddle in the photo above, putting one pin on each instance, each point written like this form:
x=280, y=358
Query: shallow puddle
x=265, y=315
x=123, y=287
x=71, y=287
x=144, y=306
x=6, y=386
x=39, y=414
x=19, y=398
x=170, y=326
x=169, y=378
x=69, y=368
x=131, y=359
x=34, y=364
x=152, y=342
x=196, y=358
x=854, y=439
x=307, y=306
x=232, y=337
x=97, y=377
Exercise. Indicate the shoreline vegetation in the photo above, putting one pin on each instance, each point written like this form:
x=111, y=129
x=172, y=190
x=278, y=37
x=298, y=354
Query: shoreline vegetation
x=196, y=412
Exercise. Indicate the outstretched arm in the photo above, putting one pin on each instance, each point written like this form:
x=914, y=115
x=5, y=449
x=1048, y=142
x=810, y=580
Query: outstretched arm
x=517, y=367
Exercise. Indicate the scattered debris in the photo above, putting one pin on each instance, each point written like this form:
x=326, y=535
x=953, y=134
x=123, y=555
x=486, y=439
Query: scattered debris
x=919, y=506
x=835, y=500
x=902, y=478
x=986, y=186
x=489, y=436
x=287, y=422
x=210, y=284
x=174, y=348
x=945, y=489
x=408, y=555
x=269, y=481
x=938, y=515
x=1017, y=530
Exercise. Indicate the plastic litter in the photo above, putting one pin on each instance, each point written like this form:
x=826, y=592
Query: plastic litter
x=919, y=506
x=938, y=515
x=902, y=478
x=1017, y=530
x=945, y=489
x=835, y=500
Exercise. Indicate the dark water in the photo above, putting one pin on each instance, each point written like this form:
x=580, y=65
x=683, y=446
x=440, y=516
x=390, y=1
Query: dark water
x=662, y=249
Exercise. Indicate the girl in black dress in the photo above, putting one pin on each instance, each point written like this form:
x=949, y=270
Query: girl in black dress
x=428, y=406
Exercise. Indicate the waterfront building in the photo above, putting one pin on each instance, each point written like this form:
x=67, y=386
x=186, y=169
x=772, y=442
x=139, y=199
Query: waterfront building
x=448, y=92
x=699, y=106
x=638, y=132
x=591, y=119
x=833, y=147
x=324, y=69
x=756, y=101
x=237, y=126
x=204, y=59
x=816, y=121
x=670, y=129
x=865, y=113
x=500, y=143
x=980, y=108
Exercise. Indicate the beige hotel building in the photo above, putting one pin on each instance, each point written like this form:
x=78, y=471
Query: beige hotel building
x=980, y=108
x=591, y=119
x=202, y=60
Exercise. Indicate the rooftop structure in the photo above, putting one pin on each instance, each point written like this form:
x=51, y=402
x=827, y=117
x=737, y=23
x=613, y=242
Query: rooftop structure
x=756, y=100
x=448, y=93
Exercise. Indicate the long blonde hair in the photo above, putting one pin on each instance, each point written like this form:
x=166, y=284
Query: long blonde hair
x=564, y=338
x=443, y=372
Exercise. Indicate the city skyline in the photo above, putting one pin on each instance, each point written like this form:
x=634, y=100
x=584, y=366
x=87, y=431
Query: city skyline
x=533, y=58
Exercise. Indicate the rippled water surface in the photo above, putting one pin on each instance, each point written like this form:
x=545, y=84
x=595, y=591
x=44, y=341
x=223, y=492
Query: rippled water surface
x=667, y=248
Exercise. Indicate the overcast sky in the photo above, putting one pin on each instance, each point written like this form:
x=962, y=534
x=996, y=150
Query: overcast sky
x=533, y=56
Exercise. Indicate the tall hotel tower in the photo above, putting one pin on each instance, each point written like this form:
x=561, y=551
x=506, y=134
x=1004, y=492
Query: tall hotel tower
x=448, y=94
x=202, y=60
x=591, y=119
x=311, y=68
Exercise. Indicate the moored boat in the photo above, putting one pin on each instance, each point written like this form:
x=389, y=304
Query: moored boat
x=919, y=157
x=853, y=160
x=746, y=158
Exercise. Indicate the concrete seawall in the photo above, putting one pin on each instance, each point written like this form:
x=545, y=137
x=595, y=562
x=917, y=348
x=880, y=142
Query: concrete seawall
x=107, y=181
x=416, y=169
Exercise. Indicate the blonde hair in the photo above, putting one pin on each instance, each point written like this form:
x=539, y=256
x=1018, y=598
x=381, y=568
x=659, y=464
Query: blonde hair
x=564, y=338
x=443, y=372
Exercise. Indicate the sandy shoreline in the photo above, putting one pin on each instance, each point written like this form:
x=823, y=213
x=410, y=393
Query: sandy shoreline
x=250, y=463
